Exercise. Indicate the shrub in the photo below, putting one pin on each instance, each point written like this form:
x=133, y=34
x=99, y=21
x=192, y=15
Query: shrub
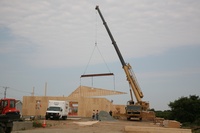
x=37, y=124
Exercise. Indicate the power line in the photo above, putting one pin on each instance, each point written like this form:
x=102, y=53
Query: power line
x=17, y=90
x=21, y=91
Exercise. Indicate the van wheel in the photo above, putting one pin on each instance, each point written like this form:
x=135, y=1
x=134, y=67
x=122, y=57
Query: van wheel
x=64, y=117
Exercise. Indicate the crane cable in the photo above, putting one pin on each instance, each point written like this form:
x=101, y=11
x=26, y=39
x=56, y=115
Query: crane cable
x=96, y=46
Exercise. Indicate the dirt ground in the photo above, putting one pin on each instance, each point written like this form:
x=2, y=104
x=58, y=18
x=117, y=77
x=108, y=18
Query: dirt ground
x=71, y=126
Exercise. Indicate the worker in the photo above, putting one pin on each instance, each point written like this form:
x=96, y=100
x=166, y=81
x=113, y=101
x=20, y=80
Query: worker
x=110, y=112
x=93, y=114
x=97, y=115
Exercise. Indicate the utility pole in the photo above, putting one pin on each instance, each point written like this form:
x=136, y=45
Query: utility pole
x=45, y=89
x=33, y=92
x=5, y=91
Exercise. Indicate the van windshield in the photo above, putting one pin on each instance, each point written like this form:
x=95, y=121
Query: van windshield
x=54, y=109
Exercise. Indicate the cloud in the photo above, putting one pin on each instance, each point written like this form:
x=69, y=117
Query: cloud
x=183, y=72
x=62, y=33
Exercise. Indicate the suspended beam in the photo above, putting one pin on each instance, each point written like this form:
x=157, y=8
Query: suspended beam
x=95, y=75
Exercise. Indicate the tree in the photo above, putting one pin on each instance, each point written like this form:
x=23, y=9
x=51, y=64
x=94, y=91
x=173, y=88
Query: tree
x=186, y=109
x=166, y=114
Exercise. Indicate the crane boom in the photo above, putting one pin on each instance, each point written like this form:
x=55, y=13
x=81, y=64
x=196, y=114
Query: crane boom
x=127, y=68
x=111, y=37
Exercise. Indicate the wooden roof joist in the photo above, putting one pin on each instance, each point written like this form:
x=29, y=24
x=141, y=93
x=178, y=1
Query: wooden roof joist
x=95, y=75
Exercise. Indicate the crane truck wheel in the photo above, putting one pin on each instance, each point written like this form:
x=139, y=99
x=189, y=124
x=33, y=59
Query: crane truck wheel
x=1, y=130
x=8, y=130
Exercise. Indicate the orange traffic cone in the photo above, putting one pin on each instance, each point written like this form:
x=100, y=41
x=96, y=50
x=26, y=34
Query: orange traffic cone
x=44, y=123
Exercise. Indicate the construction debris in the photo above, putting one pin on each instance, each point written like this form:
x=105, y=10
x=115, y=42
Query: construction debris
x=171, y=124
x=141, y=129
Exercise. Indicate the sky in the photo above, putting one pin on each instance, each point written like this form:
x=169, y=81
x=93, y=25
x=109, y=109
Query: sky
x=55, y=42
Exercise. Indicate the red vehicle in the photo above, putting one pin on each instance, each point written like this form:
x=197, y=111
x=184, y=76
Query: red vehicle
x=7, y=107
x=8, y=114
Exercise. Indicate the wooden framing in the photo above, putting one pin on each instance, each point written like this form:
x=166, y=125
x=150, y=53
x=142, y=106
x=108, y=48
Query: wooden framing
x=86, y=91
x=37, y=105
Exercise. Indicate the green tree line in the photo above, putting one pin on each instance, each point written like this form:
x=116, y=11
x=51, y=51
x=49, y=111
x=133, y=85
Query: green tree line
x=185, y=110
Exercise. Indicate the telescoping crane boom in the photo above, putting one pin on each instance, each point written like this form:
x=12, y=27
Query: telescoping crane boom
x=135, y=88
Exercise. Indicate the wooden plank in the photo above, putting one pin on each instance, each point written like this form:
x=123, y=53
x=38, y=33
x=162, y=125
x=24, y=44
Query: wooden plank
x=143, y=129
x=95, y=75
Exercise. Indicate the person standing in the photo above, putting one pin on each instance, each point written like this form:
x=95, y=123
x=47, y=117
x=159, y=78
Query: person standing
x=110, y=112
x=93, y=114
x=97, y=115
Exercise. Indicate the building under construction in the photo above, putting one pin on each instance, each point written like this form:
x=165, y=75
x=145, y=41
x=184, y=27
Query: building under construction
x=82, y=101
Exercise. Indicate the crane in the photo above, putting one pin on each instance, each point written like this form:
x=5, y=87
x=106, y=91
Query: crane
x=133, y=110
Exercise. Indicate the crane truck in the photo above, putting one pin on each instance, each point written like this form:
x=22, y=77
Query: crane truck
x=8, y=114
x=133, y=109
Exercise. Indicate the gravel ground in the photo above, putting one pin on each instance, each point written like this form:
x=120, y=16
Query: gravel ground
x=76, y=126
x=70, y=126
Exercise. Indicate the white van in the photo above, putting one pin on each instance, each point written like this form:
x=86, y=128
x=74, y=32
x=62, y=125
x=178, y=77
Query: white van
x=57, y=110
